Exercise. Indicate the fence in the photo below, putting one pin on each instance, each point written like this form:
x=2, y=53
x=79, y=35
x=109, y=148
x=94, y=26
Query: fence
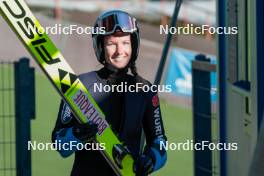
x=17, y=107
x=205, y=123
x=7, y=120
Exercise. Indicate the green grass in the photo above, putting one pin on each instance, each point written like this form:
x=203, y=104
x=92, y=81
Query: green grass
x=178, y=128
x=177, y=122
x=47, y=104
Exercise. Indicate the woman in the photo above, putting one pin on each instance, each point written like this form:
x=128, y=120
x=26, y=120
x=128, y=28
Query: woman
x=133, y=116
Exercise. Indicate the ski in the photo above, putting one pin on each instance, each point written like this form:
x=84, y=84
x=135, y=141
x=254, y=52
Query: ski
x=19, y=17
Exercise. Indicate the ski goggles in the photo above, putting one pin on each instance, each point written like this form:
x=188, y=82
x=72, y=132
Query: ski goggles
x=121, y=20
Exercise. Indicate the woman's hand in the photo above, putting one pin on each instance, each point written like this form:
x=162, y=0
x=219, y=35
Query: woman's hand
x=85, y=132
x=143, y=165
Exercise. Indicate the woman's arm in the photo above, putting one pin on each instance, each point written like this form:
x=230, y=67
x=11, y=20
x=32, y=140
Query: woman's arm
x=63, y=131
x=154, y=131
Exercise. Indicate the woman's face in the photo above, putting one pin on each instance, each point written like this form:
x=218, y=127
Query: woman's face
x=118, y=49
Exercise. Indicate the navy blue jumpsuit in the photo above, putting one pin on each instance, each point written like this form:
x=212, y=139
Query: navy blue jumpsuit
x=132, y=117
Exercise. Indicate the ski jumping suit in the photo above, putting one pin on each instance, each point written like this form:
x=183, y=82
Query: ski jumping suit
x=131, y=115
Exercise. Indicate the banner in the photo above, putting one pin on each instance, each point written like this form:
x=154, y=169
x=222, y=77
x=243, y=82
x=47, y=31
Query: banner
x=179, y=73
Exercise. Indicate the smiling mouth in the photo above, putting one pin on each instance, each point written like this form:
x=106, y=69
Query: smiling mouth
x=118, y=59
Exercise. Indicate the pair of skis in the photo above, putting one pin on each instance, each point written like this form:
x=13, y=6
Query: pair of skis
x=28, y=29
